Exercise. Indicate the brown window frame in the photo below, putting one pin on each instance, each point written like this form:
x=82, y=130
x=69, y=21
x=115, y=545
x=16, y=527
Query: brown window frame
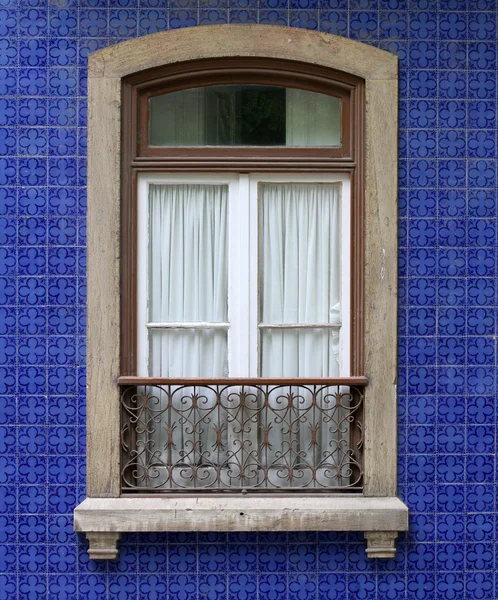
x=138, y=156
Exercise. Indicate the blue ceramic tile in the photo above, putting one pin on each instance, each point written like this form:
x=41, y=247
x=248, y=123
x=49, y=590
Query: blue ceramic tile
x=33, y=52
x=447, y=380
x=33, y=21
x=481, y=84
x=152, y=21
x=453, y=55
x=334, y=22
x=423, y=25
x=422, y=55
x=450, y=527
x=481, y=114
x=325, y=4
x=452, y=84
x=93, y=23
x=393, y=25
x=452, y=25
x=243, y=16
x=482, y=25
x=183, y=18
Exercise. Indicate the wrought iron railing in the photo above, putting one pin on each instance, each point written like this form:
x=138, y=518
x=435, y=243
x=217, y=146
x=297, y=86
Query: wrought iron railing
x=241, y=435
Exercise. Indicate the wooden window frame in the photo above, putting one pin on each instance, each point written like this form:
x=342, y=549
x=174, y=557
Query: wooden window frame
x=372, y=161
x=138, y=157
x=138, y=89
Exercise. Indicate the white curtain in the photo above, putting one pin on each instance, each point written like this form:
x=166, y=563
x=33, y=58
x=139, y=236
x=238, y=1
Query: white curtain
x=188, y=278
x=299, y=278
x=188, y=284
x=299, y=284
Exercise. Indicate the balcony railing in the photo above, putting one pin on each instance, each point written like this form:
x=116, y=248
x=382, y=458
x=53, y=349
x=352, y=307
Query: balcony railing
x=241, y=435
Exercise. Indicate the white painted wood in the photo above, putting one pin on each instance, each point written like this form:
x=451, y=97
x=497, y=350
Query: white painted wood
x=242, y=513
x=185, y=325
x=335, y=325
x=238, y=275
x=142, y=276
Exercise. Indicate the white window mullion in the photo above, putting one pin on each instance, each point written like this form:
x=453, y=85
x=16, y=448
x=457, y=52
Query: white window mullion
x=239, y=283
x=143, y=278
x=253, y=260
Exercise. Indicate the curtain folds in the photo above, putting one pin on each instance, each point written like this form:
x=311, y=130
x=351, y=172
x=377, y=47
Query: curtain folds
x=299, y=278
x=188, y=278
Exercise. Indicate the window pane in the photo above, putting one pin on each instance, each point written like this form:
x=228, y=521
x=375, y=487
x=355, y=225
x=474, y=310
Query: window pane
x=187, y=353
x=244, y=115
x=300, y=352
x=188, y=253
x=299, y=277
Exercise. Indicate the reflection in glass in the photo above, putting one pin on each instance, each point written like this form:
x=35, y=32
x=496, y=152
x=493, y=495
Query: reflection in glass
x=244, y=115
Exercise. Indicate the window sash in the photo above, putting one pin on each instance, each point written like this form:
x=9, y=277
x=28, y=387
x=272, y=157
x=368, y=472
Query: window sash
x=243, y=326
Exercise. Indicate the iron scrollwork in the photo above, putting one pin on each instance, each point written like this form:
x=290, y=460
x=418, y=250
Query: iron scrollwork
x=241, y=437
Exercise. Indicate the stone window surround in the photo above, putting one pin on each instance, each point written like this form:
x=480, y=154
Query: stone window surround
x=103, y=515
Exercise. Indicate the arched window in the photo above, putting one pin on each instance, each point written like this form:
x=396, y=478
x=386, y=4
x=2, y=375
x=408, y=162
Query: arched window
x=242, y=284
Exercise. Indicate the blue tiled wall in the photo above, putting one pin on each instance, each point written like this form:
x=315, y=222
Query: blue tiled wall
x=447, y=317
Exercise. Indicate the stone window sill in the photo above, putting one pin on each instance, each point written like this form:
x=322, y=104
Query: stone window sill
x=103, y=519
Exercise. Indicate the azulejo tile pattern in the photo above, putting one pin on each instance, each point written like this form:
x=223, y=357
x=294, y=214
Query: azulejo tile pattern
x=447, y=317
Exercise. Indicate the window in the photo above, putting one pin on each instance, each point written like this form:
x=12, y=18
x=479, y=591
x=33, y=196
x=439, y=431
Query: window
x=242, y=276
x=244, y=115
x=251, y=169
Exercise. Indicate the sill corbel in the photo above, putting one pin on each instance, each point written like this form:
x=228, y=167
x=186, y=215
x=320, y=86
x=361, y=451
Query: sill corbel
x=103, y=519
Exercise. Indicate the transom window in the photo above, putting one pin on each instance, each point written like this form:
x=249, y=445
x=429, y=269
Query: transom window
x=244, y=115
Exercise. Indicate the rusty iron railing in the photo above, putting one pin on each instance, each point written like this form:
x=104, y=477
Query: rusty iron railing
x=241, y=435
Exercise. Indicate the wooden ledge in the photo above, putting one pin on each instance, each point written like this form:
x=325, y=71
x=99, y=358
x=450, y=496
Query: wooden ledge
x=383, y=517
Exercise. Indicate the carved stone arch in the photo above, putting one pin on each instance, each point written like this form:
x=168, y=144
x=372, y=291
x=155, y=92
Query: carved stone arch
x=378, y=509
x=289, y=43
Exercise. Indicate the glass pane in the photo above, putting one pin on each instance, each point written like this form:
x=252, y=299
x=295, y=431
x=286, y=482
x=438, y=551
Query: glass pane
x=244, y=115
x=188, y=253
x=188, y=353
x=299, y=253
x=300, y=352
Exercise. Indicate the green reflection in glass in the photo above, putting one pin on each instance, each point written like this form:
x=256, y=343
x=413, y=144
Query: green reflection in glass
x=244, y=115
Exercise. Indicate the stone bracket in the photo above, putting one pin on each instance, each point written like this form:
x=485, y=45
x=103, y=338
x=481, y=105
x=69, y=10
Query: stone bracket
x=381, y=544
x=102, y=519
x=102, y=545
